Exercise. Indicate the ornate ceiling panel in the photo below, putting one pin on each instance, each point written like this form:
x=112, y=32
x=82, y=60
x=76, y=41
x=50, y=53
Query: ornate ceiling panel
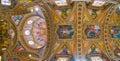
x=60, y=30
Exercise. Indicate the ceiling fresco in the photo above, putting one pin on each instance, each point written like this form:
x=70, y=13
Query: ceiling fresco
x=59, y=30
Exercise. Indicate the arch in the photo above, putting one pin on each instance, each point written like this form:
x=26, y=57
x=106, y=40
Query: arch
x=48, y=22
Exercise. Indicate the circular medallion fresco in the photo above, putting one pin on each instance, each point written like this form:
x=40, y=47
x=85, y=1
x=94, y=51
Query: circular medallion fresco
x=35, y=32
